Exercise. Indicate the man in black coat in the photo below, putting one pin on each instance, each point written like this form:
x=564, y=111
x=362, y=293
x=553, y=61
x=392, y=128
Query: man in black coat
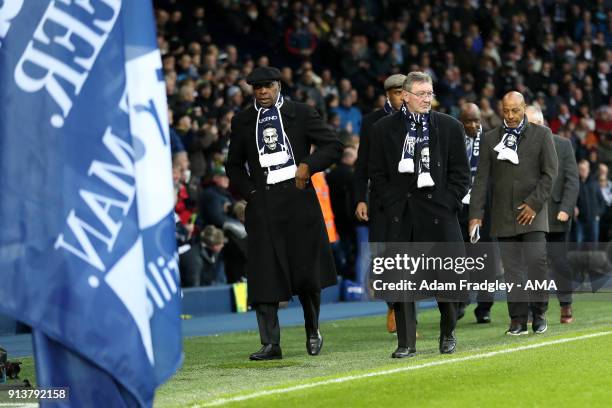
x=560, y=209
x=374, y=213
x=289, y=252
x=470, y=117
x=420, y=200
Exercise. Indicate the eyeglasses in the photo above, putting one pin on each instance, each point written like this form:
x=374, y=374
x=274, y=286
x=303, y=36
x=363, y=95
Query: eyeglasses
x=423, y=95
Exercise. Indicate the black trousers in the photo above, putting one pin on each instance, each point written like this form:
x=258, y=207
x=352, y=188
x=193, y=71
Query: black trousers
x=267, y=317
x=561, y=272
x=406, y=321
x=525, y=253
x=405, y=312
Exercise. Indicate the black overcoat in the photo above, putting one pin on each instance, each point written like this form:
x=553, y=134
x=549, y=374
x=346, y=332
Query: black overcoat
x=433, y=210
x=288, y=247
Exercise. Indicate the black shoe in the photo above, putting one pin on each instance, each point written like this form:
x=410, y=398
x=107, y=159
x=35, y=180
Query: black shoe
x=539, y=325
x=517, y=329
x=403, y=352
x=483, y=318
x=448, y=343
x=267, y=352
x=314, y=344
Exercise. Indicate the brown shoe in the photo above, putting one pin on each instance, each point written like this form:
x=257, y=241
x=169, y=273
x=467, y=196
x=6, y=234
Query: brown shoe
x=566, y=314
x=391, y=321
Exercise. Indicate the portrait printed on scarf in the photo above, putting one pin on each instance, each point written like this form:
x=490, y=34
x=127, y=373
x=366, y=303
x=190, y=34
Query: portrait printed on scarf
x=425, y=159
x=511, y=141
x=270, y=138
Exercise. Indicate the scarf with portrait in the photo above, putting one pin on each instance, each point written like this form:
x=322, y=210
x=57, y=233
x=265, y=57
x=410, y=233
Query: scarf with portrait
x=273, y=146
x=507, y=149
x=416, y=144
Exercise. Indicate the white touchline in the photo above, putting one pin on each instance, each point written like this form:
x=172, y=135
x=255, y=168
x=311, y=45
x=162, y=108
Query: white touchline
x=258, y=394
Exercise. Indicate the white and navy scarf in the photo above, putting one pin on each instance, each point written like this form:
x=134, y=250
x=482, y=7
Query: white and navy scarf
x=474, y=158
x=507, y=149
x=277, y=155
x=416, y=142
x=388, y=108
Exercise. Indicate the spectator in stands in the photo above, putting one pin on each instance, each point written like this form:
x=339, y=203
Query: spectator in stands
x=381, y=61
x=350, y=116
x=202, y=265
x=185, y=206
x=300, y=41
x=490, y=119
x=605, y=223
x=216, y=202
x=311, y=90
x=564, y=117
x=235, y=250
x=589, y=208
x=195, y=29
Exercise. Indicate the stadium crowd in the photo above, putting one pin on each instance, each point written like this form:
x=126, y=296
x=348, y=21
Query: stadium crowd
x=335, y=56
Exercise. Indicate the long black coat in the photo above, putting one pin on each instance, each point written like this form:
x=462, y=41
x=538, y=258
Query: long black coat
x=288, y=247
x=432, y=210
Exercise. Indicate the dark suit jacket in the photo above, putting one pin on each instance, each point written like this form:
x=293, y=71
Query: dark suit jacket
x=464, y=215
x=529, y=182
x=433, y=210
x=363, y=158
x=376, y=224
x=565, y=190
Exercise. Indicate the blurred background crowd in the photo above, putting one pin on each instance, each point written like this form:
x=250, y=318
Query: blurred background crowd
x=335, y=55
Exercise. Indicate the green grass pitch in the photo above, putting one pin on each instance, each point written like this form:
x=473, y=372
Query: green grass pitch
x=563, y=374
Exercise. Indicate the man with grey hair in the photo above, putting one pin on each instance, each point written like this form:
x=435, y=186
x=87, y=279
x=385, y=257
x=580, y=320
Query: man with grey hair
x=420, y=197
x=560, y=207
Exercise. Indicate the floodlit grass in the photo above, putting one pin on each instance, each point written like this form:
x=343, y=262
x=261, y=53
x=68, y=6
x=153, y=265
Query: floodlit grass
x=576, y=373
x=563, y=374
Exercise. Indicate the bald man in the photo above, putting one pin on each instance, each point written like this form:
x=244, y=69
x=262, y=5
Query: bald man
x=560, y=207
x=520, y=162
x=471, y=119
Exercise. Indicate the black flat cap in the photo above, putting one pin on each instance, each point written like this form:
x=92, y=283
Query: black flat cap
x=263, y=75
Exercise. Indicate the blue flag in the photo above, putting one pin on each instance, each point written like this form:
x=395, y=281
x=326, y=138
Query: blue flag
x=87, y=246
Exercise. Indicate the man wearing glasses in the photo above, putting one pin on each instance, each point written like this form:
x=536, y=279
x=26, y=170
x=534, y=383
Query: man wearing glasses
x=420, y=171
